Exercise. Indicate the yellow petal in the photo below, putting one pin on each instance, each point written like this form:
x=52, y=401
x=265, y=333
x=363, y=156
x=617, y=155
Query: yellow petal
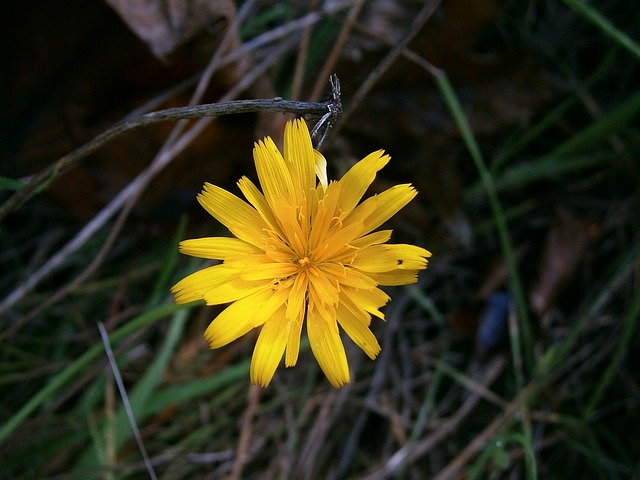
x=395, y=277
x=321, y=168
x=238, y=216
x=327, y=346
x=243, y=315
x=273, y=173
x=255, y=198
x=266, y=271
x=300, y=158
x=269, y=349
x=386, y=205
x=323, y=214
x=360, y=214
x=338, y=243
x=410, y=257
x=385, y=258
x=374, y=238
x=358, y=331
x=293, y=232
x=232, y=290
x=295, y=312
x=358, y=313
x=359, y=177
x=348, y=276
x=297, y=297
x=217, y=248
x=322, y=288
x=194, y=287
x=368, y=300
x=375, y=258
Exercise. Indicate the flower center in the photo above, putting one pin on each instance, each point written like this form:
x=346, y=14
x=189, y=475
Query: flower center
x=303, y=262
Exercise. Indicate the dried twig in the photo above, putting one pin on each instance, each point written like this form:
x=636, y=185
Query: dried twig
x=303, y=50
x=47, y=175
x=244, y=441
x=412, y=451
x=334, y=110
x=332, y=58
x=41, y=179
x=423, y=15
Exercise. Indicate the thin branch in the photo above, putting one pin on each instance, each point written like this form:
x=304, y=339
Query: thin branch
x=244, y=441
x=44, y=177
x=303, y=50
x=423, y=15
x=336, y=50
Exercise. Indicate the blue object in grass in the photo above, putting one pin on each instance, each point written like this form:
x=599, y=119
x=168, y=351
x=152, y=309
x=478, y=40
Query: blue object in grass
x=493, y=324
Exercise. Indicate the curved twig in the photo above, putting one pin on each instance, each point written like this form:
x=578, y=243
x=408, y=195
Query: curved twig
x=41, y=179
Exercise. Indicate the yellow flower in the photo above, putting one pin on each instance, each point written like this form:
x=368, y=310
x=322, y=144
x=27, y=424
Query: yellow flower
x=303, y=250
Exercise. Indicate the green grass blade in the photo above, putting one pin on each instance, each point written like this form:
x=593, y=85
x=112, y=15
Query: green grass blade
x=549, y=166
x=556, y=355
x=12, y=184
x=197, y=388
x=171, y=259
x=524, y=340
x=144, y=388
x=605, y=25
x=628, y=330
x=602, y=128
x=520, y=335
x=77, y=367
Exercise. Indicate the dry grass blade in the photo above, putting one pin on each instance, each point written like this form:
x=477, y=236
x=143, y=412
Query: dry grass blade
x=125, y=400
x=412, y=452
x=244, y=440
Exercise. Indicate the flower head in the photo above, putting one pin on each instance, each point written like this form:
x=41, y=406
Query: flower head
x=304, y=252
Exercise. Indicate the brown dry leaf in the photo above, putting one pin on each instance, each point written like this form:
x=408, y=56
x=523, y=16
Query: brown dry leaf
x=164, y=25
x=567, y=241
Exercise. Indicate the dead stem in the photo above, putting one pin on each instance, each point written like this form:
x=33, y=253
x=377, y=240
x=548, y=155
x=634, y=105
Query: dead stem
x=244, y=441
x=423, y=15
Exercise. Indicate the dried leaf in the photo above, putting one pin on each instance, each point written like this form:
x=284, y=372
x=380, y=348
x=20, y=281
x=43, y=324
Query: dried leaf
x=567, y=241
x=164, y=25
